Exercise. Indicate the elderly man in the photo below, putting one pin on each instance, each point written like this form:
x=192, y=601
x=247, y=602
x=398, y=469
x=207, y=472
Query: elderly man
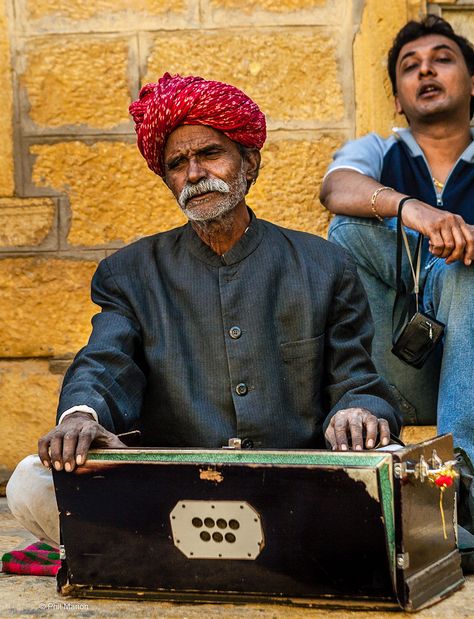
x=228, y=326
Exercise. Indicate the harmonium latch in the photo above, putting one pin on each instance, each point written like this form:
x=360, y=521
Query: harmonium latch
x=433, y=470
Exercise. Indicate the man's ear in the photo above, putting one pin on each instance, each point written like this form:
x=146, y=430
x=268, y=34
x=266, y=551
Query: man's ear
x=165, y=180
x=253, y=159
x=398, y=105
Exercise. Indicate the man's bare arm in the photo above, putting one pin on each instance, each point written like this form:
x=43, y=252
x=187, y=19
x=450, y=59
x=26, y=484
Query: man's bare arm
x=347, y=192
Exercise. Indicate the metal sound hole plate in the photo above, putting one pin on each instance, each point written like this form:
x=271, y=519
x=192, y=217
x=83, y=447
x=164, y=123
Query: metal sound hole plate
x=217, y=530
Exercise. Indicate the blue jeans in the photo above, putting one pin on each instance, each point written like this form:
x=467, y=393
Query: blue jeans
x=443, y=389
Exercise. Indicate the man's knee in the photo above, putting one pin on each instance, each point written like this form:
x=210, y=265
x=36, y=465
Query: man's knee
x=32, y=500
x=453, y=290
x=363, y=237
x=344, y=231
x=22, y=482
x=458, y=276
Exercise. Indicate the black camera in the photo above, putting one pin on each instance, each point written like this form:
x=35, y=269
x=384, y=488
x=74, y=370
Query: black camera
x=417, y=339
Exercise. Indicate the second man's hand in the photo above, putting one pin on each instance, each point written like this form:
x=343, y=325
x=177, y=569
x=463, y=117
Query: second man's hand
x=350, y=426
x=66, y=446
x=450, y=237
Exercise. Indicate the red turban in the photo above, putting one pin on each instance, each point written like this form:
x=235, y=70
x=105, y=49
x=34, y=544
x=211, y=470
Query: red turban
x=175, y=101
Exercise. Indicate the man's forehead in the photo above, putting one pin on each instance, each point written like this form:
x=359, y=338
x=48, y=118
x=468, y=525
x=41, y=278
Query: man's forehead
x=194, y=136
x=428, y=43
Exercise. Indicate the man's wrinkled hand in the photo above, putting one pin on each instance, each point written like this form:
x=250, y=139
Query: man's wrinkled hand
x=348, y=429
x=66, y=445
x=450, y=237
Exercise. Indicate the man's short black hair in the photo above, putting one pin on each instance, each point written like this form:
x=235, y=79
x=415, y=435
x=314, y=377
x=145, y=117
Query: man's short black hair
x=431, y=24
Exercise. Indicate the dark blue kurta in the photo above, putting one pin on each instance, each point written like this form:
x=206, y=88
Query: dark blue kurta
x=265, y=343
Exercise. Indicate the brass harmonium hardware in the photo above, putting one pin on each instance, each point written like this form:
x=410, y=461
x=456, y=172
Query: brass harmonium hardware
x=423, y=470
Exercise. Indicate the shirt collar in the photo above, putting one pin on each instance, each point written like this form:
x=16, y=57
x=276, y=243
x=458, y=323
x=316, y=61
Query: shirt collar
x=405, y=135
x=247, y=243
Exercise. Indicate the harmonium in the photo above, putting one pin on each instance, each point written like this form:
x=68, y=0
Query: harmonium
x=371, y=529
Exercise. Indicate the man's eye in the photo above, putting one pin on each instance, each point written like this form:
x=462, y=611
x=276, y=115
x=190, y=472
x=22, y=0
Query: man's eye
x=175, y=163
x=409, y=67
x=444, y=59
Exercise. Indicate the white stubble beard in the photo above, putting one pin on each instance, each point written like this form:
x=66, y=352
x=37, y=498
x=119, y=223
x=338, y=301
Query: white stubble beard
x=229, y=197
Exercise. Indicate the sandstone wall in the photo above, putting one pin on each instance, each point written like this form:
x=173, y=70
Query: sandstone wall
x=73, y=187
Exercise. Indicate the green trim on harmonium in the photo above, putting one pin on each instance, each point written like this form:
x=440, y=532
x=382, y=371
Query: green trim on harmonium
x=386, y=490
x=224, y=456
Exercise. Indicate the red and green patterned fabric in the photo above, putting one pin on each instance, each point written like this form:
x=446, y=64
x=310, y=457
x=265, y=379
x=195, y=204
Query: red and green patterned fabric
x=39, y=559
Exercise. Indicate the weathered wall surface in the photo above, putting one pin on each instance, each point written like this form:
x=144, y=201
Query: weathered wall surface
x=72, y=184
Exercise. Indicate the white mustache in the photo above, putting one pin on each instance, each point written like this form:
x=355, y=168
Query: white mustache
x=203, y=186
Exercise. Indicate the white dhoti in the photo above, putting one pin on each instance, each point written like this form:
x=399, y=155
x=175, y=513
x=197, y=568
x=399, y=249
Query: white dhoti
x=32, y=500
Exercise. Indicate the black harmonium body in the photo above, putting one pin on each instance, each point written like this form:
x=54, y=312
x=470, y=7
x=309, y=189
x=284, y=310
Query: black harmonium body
x=362, y=529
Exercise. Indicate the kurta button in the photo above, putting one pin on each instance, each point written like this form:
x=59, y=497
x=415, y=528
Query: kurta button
x=246, y=443
x=241, y=389
x=235, y=332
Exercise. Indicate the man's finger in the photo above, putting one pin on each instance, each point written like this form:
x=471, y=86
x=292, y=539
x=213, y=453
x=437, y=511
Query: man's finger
x=371, y=428
x=331, y=436
x=56, y=450
x=43, y=450
x=468, y=233
x=107, y=440
x=356, y=427
x=340, y=432
x=449, y=243
x=69, y=450
x=85, y=439
x=457, y=252
x=384, y=432
x=436, y=243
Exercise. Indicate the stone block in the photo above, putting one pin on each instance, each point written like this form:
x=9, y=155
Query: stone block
x=277, y=6
x=78, y=16
x=80, y=10
x=375, y=110
x=45, y=306
x=287, y=189
x=462, y=21
x=114, y=197
x=291, y=73
x=27, y=222
x=227, y=13
x=75, y=81
x=6, y=107
x=28, y=401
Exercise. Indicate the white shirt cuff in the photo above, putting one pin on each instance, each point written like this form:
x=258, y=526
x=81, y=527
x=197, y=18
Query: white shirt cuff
x=82, y=408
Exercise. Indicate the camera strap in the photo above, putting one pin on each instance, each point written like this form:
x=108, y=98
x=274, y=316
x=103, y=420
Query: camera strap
x=406, y=301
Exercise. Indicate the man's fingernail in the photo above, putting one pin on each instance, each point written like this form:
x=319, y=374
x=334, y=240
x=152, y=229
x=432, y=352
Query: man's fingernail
x=343, y=447
x=79, y=460
x=358, y=447
x=385, y=441
x=57, y=465
x=370, y=443
x=68, y=467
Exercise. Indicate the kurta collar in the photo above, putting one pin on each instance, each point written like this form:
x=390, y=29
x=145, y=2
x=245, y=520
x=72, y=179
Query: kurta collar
x=243, y=248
